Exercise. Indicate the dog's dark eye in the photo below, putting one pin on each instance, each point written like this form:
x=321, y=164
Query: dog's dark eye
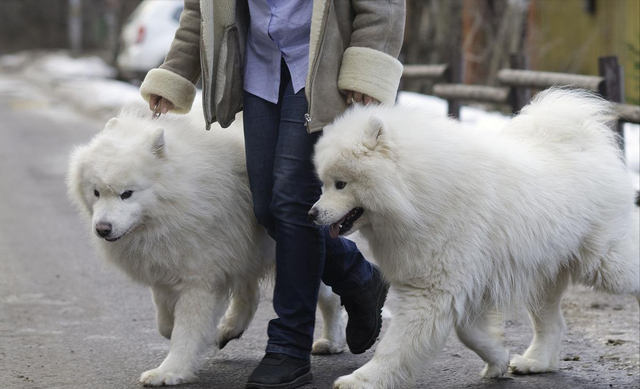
x=126, y=194
x=96, y=193
x=340, y=185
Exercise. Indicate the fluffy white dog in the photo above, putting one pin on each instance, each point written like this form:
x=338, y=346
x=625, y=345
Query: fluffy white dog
x=466, y=224
x=169, y=204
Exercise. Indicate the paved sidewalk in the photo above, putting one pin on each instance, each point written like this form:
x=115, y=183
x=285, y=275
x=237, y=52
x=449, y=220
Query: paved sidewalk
x=68, y=320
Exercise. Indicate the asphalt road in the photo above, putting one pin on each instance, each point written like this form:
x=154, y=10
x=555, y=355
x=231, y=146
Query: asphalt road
x=68, y=320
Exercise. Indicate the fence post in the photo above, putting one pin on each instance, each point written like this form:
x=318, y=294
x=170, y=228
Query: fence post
x=519, y=96
x=111, y=18
x=75, y=26
x=612, y=88
x=454, y=76
x=456, y=56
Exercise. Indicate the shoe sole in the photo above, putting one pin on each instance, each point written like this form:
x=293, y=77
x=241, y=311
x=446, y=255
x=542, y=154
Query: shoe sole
x=381, y=299
x=302, y=380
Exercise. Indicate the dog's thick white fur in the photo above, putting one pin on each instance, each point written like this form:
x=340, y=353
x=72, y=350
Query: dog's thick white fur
x=466, y=224
x=187, y=230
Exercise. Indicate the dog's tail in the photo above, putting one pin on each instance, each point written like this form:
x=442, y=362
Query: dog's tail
x=570, y=116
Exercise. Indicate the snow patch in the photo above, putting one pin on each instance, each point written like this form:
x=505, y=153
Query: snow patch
x=101, y=98
x=59, y=65
x=469, y=116
x=86, y=83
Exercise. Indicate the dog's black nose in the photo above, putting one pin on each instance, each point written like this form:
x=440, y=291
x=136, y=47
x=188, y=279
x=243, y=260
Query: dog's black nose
x=103, y=229
x=313, y=214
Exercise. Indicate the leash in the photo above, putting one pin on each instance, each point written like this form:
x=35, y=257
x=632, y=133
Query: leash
x=156, y=112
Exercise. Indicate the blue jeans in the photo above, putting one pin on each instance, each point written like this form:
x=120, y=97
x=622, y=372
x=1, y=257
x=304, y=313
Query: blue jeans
x=284, y=186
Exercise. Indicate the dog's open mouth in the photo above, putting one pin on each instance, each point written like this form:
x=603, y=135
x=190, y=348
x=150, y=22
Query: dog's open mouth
x=343, y=225
x=113, y=239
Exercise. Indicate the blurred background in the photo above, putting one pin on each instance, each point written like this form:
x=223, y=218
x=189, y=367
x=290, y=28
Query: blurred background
x=555, y=35
x=66, y=66
x=457, y=53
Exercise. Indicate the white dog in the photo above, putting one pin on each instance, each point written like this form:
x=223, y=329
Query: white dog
x=169, y=204
x=466, y=224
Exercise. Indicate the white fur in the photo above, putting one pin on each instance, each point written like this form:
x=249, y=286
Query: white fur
x=187, y=231
x=466, y=224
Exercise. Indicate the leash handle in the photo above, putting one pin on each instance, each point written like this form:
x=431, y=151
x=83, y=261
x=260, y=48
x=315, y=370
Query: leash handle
x=156, y=112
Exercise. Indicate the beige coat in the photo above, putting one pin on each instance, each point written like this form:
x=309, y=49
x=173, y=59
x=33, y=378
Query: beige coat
x=354, y=46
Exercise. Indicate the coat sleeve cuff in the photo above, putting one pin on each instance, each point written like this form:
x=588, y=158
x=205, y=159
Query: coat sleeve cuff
x=371, y=72
x=173, y=87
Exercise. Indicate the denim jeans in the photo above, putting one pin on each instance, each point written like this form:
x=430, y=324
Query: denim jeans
x=284, y=186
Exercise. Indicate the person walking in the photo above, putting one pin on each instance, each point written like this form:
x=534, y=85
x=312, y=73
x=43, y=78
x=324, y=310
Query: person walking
x=292, y=66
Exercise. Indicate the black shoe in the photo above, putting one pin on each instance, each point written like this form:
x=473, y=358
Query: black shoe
x=280, y=371
x=365, y=314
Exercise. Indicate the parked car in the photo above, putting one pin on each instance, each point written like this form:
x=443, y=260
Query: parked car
x=146, y=37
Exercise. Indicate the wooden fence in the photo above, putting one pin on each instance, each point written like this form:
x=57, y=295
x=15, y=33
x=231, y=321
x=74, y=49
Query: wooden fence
x=518, y=83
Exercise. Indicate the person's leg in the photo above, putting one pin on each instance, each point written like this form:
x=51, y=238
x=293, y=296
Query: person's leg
x=261, y=124
x=301, y=248
x=300, y=244
x=298, y=252
x=345, y=268
x=361, y=289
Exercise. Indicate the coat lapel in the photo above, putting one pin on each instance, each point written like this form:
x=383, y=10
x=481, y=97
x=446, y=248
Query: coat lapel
x=206, y=56
x=320, y=8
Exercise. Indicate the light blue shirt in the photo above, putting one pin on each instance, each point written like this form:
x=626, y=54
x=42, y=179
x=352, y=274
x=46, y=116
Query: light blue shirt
x=279, y=30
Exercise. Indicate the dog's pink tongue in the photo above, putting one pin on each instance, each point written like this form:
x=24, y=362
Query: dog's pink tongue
x=334, y=229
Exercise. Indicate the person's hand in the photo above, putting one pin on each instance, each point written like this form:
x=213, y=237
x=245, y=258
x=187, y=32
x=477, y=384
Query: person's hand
x=357, y=97
x=159, y=104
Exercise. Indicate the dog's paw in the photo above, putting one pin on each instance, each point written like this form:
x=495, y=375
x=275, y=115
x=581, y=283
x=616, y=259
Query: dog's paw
x=159, y=377
x=524, y=365
x=351, y=381
x=494, y=370
x=327, y=347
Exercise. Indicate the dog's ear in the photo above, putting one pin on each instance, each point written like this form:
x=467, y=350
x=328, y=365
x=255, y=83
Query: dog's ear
x=157, y=142
x=110, y=124
x=376, y=127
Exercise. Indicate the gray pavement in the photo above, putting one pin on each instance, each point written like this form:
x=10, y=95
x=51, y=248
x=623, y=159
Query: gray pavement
x=68, y=320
